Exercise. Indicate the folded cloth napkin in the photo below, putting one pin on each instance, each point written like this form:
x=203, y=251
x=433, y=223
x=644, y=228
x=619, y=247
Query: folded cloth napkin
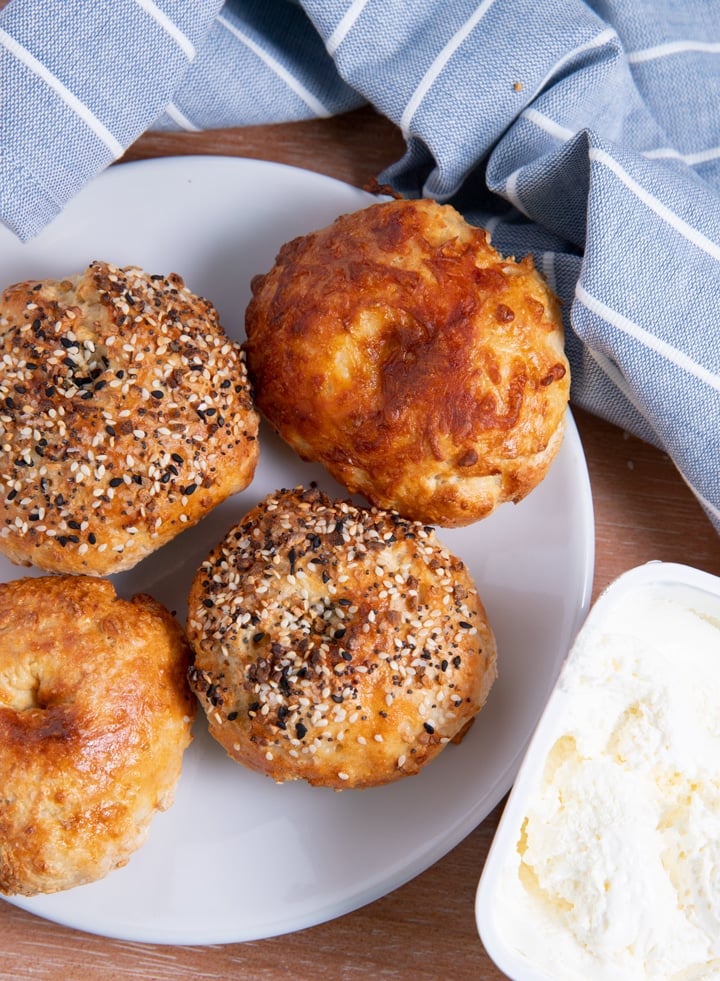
x=585, y=133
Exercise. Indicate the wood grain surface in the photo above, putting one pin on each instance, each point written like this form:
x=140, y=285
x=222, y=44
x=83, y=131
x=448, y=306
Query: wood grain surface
x=424, y=930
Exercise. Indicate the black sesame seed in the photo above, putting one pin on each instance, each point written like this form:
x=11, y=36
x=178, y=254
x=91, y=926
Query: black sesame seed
x=231, y=716
x=177, y=458
x=116, y=481
x=92, y=538
x=428, y=728
x=213, y=695
x=190, y=489
x=465, y=625
x=300, y=730
x=157, y=394
x=457, y=660
x=109, y=430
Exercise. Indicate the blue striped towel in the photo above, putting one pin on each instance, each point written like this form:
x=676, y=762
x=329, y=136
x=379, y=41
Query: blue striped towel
x=585, y=133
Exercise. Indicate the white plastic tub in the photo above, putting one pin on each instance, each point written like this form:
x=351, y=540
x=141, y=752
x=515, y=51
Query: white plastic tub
x=606, y=862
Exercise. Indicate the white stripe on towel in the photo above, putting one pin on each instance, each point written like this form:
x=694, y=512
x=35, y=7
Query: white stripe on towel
x=70, y=100
x=439, y=63
x=180, y=118
x=671, y=48
x=693, y=235
x=170, y=28
x=345, y=25
x=290, y=80
x=661, y=347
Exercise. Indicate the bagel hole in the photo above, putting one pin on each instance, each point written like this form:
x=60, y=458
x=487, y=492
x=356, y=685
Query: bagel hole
x=24, y=692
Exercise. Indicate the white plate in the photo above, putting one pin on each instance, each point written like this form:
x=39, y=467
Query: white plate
x=237, y=857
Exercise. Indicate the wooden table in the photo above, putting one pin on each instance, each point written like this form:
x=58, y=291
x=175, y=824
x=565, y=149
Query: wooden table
x=424, y=931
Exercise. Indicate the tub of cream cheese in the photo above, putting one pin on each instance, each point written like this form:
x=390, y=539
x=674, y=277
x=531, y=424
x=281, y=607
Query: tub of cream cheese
x=606, y=861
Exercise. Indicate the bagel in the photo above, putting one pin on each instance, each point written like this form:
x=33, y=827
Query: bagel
x=95, y=715
x=336, y=644
x=400, y=350
x=125, y=416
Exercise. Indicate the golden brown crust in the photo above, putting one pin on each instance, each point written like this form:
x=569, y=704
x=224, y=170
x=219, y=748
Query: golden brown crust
x=340, y=645
x=399, y=349
x=125, y=416
x=95, y=716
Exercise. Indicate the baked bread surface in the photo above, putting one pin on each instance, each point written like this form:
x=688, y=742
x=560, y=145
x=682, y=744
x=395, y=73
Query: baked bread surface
x=125, y=416
x=95, y=716
x=340, y=645
x=423, y=369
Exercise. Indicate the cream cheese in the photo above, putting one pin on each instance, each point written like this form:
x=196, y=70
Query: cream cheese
x=615, y=870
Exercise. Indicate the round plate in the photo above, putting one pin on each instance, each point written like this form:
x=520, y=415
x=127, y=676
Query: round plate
x=238, y=857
